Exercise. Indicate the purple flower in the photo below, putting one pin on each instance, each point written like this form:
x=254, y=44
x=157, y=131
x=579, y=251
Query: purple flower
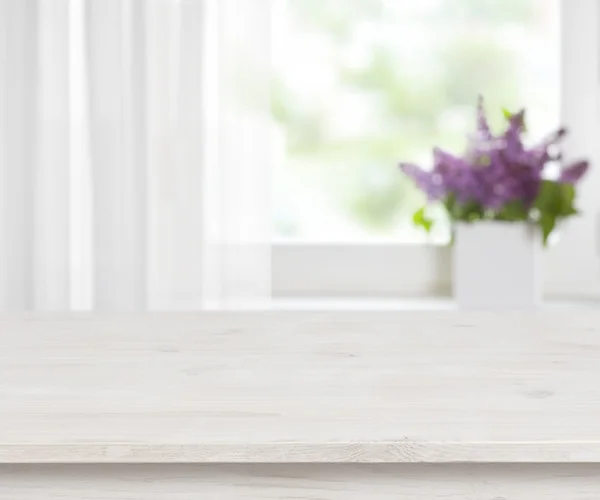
x=513, y=146
x=574, y=173
x=428, y=182
x=483, y=127
x=450, y=174
x=495, y=170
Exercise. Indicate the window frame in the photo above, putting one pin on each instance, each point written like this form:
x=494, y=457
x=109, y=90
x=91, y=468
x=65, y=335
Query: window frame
x=571, y=268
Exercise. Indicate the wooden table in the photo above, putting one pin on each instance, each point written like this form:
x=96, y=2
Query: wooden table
x=305, y=406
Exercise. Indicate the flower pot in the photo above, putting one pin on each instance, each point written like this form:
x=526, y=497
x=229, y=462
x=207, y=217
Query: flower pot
x=497, y=265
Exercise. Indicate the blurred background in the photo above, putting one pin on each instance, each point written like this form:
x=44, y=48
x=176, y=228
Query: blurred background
x=362, y=85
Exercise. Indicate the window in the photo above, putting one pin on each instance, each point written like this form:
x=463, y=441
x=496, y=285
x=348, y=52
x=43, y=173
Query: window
x=362, y=85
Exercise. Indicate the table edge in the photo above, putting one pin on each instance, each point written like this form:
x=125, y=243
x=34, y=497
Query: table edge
x=386, y=452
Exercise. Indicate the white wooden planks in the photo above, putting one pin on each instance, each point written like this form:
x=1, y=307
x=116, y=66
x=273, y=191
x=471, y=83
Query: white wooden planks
x=300, y=387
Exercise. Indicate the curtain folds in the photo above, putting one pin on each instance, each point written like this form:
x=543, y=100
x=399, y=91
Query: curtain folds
x=135, y=154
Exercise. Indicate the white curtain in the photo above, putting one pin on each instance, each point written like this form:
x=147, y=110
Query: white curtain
x=135, y=154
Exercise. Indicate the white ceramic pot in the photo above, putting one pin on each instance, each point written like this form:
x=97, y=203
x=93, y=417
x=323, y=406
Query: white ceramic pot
x=497, y=265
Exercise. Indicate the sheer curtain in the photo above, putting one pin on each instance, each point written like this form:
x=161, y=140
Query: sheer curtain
x=134, y=154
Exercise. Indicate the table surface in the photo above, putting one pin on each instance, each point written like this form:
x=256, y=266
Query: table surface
x=300, y=387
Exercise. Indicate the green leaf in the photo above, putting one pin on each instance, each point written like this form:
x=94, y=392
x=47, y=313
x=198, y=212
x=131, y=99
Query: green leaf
x=556, y=198
x=450, y=204
x=471, y=212
x=464, y=212
x=547, y=223
x=549, y=198
x=567, y=198
x=513, y=211
x=507, y=114
x=555, y=201
x=421, y=220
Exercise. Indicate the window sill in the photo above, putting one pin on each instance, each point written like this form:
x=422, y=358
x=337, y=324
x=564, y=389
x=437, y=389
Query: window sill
x=439, y=303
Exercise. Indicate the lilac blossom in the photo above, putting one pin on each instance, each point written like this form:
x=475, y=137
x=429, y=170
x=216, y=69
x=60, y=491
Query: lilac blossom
x=574, y=173
x=495, y=170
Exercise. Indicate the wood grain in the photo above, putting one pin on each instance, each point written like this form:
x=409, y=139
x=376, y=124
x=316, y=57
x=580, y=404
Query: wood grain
x=301, y=482
x=300, y=387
